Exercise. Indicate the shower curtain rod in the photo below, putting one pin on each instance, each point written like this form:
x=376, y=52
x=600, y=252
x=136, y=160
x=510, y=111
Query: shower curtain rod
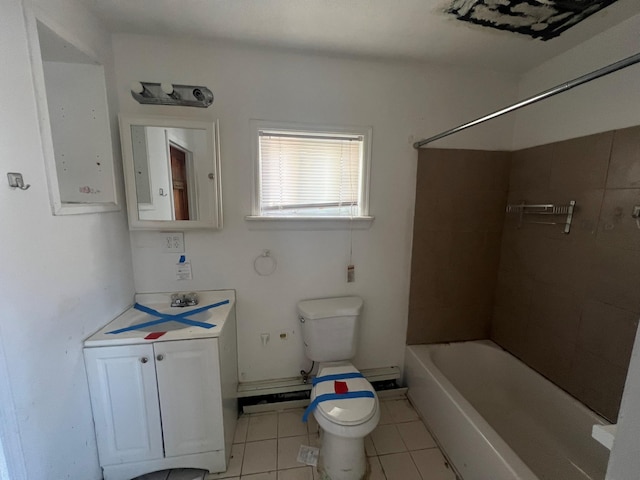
x=614, y=67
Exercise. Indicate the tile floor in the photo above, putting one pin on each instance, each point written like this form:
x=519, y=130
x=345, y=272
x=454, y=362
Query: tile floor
x=266, y=447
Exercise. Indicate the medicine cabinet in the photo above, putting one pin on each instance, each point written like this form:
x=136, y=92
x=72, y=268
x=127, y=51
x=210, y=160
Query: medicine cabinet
x=172, y=173
x=74, y=120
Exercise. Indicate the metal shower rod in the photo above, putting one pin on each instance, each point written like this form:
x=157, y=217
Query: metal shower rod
x=614, y=67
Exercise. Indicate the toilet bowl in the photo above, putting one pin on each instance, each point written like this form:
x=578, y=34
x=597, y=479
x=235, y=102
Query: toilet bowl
x=345, y=422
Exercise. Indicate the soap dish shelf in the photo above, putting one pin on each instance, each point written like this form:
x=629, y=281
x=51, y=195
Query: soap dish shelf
x=544, y=209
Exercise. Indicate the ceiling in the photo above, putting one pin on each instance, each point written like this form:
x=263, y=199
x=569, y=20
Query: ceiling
x=417, y=30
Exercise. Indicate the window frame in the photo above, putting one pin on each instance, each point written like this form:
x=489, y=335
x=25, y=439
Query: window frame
x=362, y=220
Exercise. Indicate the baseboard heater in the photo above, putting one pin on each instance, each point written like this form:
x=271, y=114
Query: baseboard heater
x=293, y=392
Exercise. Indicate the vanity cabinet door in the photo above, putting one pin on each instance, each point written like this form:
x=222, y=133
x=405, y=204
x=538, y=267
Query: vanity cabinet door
x=124, y=398
x=190, y=398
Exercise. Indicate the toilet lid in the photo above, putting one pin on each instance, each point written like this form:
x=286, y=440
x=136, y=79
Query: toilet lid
x=350, y=411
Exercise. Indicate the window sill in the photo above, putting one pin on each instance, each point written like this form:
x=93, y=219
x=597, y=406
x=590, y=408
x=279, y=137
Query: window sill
x=257, y=222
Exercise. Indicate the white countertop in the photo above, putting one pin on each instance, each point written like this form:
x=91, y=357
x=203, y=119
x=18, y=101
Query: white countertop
x=161, y=302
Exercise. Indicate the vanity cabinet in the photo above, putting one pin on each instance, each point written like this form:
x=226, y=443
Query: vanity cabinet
x=166, y=404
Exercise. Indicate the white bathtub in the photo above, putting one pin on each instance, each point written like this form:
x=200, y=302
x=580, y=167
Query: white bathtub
x=497, y=419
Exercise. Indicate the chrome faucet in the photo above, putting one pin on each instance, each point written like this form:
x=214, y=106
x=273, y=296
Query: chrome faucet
x=184, y=299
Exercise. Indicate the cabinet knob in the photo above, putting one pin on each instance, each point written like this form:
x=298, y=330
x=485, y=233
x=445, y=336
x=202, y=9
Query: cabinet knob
x=144, y=359
x=160, y=357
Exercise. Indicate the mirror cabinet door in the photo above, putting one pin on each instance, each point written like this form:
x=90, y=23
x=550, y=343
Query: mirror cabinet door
x=73, y=108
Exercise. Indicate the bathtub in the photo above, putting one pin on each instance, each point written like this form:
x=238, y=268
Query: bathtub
x=497, y=419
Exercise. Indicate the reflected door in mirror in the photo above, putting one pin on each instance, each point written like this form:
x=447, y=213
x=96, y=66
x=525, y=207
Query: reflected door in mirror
x=180, y=184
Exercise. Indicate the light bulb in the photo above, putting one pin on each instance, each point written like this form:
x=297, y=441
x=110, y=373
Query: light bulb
x=167, y=88
x=137, y=87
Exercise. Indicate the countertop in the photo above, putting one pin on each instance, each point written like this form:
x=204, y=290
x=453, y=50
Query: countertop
x=161, y=303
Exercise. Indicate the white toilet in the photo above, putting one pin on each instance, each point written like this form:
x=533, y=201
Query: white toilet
x=329, y=327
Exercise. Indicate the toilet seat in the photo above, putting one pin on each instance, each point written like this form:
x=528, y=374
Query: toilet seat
x=348, y=411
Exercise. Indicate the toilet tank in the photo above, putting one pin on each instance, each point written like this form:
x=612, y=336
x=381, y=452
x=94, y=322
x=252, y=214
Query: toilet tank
x=329, y=327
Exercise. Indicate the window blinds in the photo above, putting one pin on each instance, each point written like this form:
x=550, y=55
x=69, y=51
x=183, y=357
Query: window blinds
x=309, y=174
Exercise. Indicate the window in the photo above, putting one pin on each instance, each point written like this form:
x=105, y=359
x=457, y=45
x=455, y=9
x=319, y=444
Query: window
x=311, y=172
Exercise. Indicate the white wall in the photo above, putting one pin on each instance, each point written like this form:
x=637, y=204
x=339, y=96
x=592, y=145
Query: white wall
x=605, y=104
x=401, y=102
x=61, y=277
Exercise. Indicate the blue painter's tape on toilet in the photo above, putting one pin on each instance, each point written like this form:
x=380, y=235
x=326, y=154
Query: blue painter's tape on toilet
x=336, y=376
x=335, y=396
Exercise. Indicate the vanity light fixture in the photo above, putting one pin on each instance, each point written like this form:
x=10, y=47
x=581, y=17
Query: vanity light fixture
x=170, y=94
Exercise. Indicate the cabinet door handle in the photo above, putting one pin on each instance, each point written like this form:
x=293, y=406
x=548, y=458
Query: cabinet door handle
x=144, y=359
x=160, y=357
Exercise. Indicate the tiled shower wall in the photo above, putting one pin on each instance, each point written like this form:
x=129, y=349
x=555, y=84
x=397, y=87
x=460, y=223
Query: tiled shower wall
x=460, y=203
x=567, y=305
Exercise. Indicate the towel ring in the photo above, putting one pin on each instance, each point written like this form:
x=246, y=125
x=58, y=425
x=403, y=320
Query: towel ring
x=265, y=264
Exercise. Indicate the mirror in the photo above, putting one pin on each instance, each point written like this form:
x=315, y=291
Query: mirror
x=172, y=173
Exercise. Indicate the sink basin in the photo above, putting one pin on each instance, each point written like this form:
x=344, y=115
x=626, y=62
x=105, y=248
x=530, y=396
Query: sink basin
x=169, y=325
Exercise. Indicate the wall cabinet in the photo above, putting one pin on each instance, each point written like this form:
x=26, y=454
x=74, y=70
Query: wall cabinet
x=163, y=405
x=73, y=110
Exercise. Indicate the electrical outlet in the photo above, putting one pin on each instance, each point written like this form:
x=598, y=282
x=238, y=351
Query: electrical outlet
x=173, y=242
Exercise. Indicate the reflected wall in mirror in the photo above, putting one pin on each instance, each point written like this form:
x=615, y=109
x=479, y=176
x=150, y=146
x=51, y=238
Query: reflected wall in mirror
x=172, y=173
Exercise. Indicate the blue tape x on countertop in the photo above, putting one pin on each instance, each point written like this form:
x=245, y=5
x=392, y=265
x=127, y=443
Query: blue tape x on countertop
x=169, y=317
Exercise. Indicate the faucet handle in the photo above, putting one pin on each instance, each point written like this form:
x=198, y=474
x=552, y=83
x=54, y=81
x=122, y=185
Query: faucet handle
x=191, y=298
x=177, y=300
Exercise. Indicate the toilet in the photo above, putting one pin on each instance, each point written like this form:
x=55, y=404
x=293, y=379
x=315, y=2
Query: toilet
x=343, y=402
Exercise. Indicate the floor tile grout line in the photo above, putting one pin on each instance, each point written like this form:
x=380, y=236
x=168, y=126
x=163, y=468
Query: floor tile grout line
x=377, y=456
x=416, y=466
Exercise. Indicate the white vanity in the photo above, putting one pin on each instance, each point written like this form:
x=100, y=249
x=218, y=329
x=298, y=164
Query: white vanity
x=170, y=401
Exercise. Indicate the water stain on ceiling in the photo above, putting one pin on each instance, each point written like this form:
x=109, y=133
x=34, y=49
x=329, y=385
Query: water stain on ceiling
x=542, y=19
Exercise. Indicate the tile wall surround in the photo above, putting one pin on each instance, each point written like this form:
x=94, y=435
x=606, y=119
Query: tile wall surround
x=567, y=305
x=459, y=214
